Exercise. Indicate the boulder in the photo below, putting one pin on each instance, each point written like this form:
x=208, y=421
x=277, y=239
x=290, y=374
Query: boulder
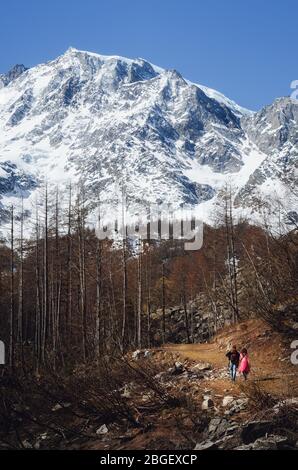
x=146, y=397
x=136, y=354
x=213, y=425
x=27, y=444
x=236, y=406
x=227, y=400
x=206, y=445
x=206, y=396
x=271, y=442
x=225, y=442
x=201, y=366
x=126, y=392
x=207, y=403
x=219, y=427
x=57, y=407
x=287, y=402
x=161, y=376
x=102, y=430
x=177, y=369
x=195, y=375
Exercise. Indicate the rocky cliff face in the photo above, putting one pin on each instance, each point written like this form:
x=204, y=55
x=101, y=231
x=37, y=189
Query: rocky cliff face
x=12, y=74
x=275, y=131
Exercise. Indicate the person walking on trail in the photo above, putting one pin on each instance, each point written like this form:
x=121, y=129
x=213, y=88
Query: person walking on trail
x=228, y=349
x=234, y=357
x=244, y=367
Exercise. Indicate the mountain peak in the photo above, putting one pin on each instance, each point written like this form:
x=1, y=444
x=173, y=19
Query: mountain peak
x=74, y=52
x=149, y=70
x=17, y=69
x=71, y=49
x=12, y=74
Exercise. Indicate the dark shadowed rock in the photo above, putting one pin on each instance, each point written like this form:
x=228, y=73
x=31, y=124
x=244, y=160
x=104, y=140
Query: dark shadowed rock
x=254, y=430
x=13, y=73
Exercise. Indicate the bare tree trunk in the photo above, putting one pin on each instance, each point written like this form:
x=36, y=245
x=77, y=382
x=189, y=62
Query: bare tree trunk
x=98, y=336
x=139, y=313
x=38, y=307
x=112, y=301
x=163, y=304
x=45, y=321
x=82, y=275
x=12, y=312
x=56, y=285
x=185, y=312
x=232, y=267
x=21, y=302
x=229, y=256
x=68, y=331
x=124, y=280
x=192, y=322
x=148, y=282
x=234, y=259
x=213, y=303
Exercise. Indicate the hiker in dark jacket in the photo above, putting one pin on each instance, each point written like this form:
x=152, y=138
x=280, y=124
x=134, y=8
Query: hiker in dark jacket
x=234, y=358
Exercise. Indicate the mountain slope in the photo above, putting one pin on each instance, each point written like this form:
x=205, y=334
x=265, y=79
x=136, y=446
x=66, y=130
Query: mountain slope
x=119, y=123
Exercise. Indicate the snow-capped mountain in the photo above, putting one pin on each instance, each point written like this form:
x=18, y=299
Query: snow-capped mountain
x=117, y=123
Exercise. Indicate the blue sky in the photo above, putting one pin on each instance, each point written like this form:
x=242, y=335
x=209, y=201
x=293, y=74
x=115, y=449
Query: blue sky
x=246, y=49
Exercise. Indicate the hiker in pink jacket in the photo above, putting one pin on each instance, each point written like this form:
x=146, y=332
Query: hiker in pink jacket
x=244, y=363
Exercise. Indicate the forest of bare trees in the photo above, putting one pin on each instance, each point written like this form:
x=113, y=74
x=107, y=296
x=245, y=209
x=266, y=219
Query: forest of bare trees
x=67, y=297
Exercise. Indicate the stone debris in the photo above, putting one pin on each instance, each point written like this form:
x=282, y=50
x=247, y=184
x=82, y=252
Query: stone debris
x=102, y=430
